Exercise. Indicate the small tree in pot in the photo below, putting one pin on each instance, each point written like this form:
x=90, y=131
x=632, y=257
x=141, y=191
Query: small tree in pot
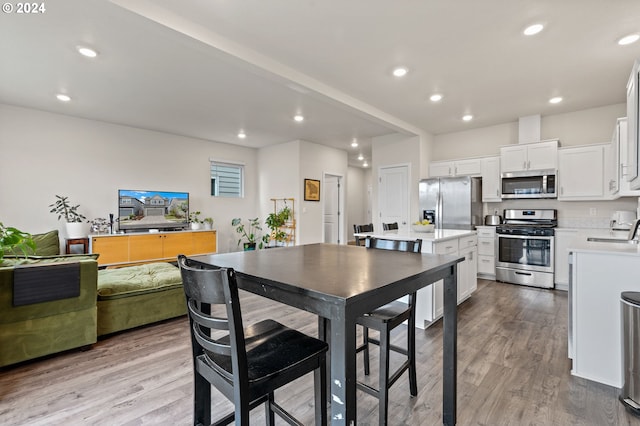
x=248, y=233
x=63, y=208
x=275, y=222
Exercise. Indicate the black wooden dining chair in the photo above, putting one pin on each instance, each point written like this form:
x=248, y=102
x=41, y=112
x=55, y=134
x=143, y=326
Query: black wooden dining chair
x=385, y=319
x=245, y=364
x=389, y=226
x=362, y=228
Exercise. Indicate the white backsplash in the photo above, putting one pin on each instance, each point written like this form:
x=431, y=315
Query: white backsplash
x=572, y=214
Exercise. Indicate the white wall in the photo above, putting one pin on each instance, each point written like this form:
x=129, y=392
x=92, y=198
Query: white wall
x=45, y=154
x=316, y=161
x=583, y=127
x=283, y=169
x=392, y=150
x=357, y=206
x=575, y=128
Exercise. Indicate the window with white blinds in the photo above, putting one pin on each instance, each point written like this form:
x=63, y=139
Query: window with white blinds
x=227, y=179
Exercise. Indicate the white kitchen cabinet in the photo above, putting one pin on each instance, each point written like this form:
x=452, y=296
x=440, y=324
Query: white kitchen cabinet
x=468, y=270
x=491, y=191
x=463, y=167
x=581, y=173
x=633, y=127
x=620, y=154
x=486, y=252
x=598, y=277
x=430, y=305
x=564, y=239
x=532, y=156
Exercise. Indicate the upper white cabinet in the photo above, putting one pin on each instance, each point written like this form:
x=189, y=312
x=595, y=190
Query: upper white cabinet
x=491, y=179
x=466, y=167
x=582, y=172
x=619, y=151
x=633, y=139
x=533, y=156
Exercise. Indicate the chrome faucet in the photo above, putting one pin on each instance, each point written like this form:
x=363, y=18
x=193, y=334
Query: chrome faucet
x=633, y=231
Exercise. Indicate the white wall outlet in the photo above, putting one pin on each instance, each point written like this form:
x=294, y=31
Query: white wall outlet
x=593, y=211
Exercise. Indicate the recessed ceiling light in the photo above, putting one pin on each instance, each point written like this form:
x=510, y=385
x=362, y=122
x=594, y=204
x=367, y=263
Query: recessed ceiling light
x=63, y=98
x=436, y=97
x=298, y=118
x=242, y=134
x=87, y=51
x=365, y=164
x=631, y=38
x=555, y=100
x=354, y=143
x=467, y=117
x=533, y=29
x=400, y=72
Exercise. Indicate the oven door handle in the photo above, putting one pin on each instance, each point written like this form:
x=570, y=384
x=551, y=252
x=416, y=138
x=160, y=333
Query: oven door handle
x=527, y=237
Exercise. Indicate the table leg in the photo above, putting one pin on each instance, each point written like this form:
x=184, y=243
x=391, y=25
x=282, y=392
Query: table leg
x=343, y=371
x=450, y=348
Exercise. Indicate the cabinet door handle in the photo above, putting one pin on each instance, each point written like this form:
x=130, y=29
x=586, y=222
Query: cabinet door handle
x=529, y=164
x=497, y=192
x=524, y=165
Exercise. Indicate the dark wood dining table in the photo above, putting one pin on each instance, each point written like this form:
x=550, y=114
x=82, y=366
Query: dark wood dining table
x=339, y=283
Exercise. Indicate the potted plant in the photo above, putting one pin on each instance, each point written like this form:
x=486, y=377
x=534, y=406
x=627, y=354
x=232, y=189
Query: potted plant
x=275, y=221
x=12, y=239
x=195, y=221
x=248, y=233
x=208, y=223
x=63, y=208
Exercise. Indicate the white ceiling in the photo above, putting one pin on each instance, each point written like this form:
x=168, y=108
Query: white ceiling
x=209, y=68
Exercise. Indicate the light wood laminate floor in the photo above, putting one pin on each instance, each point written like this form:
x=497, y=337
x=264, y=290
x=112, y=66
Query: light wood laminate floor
x=512, y=364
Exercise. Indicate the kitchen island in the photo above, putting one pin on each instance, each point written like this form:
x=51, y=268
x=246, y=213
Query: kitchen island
x=599, y=273
x=429, y=303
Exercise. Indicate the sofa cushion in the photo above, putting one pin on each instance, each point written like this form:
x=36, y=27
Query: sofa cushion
x=139, y=279
x=47, y=244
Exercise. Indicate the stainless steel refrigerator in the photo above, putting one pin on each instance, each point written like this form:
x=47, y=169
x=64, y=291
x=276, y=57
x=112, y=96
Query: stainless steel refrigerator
x=452, y=202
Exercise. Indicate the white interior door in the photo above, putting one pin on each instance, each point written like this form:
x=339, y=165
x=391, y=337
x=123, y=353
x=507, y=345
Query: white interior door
x=331, y=197
x=393, y=199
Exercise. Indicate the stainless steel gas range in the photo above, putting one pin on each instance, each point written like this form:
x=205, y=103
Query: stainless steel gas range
x=525, y=247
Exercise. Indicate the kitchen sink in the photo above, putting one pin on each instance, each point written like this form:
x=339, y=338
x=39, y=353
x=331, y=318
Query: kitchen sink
x=611, y=240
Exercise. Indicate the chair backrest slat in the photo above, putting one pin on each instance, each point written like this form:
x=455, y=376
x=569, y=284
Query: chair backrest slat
x=414, y=246
x=363, y=228
x=389, y=226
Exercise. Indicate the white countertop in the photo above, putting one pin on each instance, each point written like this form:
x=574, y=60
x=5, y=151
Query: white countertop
x=409, y=234
x=580, y=243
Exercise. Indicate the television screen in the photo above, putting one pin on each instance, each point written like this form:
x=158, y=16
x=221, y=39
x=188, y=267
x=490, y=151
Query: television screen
x=143, y=210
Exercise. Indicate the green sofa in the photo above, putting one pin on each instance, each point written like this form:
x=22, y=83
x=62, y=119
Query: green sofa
x=47, y=305
x=51, y=302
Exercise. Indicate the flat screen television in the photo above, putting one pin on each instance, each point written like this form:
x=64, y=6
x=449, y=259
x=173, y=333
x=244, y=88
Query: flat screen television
x=144, y=210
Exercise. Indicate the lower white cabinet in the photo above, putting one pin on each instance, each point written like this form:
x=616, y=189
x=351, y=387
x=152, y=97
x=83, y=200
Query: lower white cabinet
x=564, y=239
x=486, y=252
x=430, y=303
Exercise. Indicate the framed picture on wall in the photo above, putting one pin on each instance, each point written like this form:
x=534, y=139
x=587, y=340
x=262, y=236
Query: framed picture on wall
x=311, y=190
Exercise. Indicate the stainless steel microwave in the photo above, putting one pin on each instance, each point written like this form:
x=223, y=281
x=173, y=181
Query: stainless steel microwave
x=529, y=184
